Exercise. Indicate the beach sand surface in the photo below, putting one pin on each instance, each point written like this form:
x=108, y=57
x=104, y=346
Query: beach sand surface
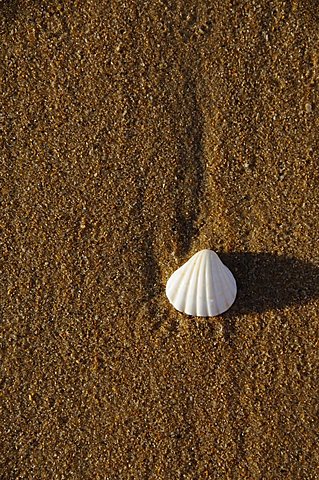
x=133, y=135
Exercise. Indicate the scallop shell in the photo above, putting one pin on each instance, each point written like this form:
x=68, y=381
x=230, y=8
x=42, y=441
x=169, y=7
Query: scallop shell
x=203, y=286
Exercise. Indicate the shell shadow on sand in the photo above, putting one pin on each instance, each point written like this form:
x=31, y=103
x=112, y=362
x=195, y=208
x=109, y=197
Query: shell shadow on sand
x=267, y=281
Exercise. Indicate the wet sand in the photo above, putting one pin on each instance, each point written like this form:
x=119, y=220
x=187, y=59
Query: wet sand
x=133, y=135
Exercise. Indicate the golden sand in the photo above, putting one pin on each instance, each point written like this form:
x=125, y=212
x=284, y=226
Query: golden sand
x=133, y=135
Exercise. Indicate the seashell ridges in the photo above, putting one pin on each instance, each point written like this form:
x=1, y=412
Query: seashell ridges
x=203, y=286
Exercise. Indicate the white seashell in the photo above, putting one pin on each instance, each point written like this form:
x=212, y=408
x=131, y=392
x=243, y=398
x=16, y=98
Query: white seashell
x=203, y=286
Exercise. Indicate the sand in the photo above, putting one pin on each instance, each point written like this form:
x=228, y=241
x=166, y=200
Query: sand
x=133, y=135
